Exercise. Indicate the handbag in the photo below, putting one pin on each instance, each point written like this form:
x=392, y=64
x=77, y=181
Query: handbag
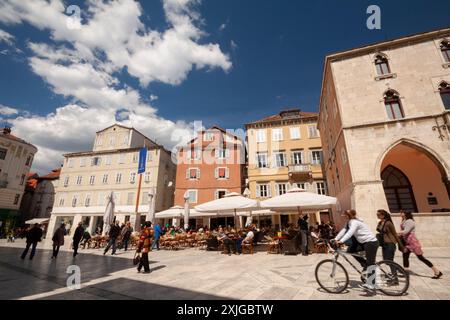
x=136, y=259
x=380, y=236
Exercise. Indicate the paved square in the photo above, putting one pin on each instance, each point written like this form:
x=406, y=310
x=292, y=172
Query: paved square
x=193, y=274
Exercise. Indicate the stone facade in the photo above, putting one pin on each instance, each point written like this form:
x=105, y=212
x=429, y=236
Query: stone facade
x=361, y=139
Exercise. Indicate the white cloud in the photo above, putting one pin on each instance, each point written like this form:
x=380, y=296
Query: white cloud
x=8, y=111
x=6, y=37
x=84, y=66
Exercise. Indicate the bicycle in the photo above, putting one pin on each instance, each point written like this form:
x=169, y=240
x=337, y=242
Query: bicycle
x=390, y=278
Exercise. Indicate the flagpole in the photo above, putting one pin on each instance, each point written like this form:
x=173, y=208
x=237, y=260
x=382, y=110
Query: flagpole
x=136, y=211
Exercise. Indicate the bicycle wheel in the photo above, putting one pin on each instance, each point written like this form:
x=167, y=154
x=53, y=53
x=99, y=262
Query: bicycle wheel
x=331, y=276
x=391, y=278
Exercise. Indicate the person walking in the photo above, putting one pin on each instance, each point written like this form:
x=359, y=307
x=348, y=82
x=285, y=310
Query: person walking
x=412, y=244
x=86, y=238
x=34, y=235
x=304, y=229
x=144, y=246
x=156, y=235
x=361, y=237
x=387, y=236
x=77, y=236
x=114, y=233
x=58, y=239
x=126, y=232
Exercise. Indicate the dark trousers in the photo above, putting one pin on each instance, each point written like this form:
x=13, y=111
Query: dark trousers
x=55, y=250
x=111, y=243
x=370, y=248
x=230, y=245
x=304, y=235
x=144, y=263
x=125, y=243
x=388, y=250
x=421, y=258
x=33, y=246
x=239, y=245
x=76, y=244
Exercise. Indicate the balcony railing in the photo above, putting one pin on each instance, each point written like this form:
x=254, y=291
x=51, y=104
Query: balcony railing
x=300, y=168
x=3, y=184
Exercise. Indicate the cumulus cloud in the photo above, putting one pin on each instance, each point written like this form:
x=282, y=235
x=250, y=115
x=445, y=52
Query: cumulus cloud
x=6, y=37
x=84, y=65
x=8, y=111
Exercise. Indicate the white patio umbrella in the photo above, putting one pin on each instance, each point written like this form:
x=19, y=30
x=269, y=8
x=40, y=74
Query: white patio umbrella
x=230, y=204
x=186, y=211
x=174, y=212
x=300, y=200
x=108, y=217
x=151, y=206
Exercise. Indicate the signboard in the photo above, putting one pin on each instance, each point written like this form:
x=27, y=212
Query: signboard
x=142, y=160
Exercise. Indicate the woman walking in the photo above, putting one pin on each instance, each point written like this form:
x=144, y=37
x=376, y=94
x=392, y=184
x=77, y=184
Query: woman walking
x=387, y=236
x=58, y=240
x=144, y=247
x=412, y=244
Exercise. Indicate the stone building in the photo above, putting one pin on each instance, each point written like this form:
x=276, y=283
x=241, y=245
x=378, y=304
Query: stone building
x=88, y=178
x=285, y=150
x=384, y=123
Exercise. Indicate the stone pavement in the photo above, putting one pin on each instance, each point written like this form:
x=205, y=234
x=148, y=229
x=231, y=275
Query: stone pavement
x=193, y=274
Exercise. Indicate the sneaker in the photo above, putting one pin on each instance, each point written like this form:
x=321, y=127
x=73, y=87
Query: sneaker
x=437, y=276
x=369, y=287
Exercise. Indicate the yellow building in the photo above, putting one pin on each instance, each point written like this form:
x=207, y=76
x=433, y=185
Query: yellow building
x=284, y=150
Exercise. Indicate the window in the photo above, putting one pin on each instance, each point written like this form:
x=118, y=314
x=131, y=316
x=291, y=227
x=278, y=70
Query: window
x=263, y=190
x=122, y=158
x=22, y=180
x=83, y=162
x=135, y=157
x=61, y=201
x=96, y=161
x=16, y=199
x=295, y=133
x=105, y=178
x=29, y=160
x=312, y=131
x=281, y=188
x=261, y=159
x=116, y=198
x=261, y=136
x=3, y=153
x=320, y=188
x=344, y=156
x=220, y=194
x=149, y=156
x=297, y=157
x=382, y=65
x=393, y=105
x=445, y=49
x=79, y=180
x=444, y=89
x=108, y=160
x=66, y=181
x=222, y=173
x=208, y=136
x=112, y=141
x=69, y=163
x=119, y=178
x=147, y=177
x=101, y=199
x=99, y=141
x=302, y=185
x=125, y=140
x=92, y=180
x=192, y=196
x=193, y=174
x=279, y=159
x=277, y=134
x=130, y=198
x=193, y=154
x=222, y=153
x=74, y=201
x=132, y=177
x=316, y=157
x=87, y=200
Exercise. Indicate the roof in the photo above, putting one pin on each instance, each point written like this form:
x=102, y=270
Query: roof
x=12, y=137
x=52, y=175
x=287, y=114
x=103, y=152
x=214, y=128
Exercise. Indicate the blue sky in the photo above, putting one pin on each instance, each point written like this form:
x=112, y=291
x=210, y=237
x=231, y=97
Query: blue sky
x=269, y=55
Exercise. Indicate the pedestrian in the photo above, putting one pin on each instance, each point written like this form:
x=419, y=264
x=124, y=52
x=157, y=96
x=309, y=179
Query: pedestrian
x=361, y=238
x=77, y=236
x=156, y=235
x=114, y=233
x=412, y=244
x=144, y=246
x=387, y=236
x=34, y=235
x=58, y=239
x=86, y=238
x=126, y=232
x=303, y=225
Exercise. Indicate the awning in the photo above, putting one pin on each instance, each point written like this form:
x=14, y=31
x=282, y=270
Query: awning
x=38, y=221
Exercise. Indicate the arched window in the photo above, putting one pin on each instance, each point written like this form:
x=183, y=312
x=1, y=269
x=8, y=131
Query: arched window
x=444, y=89
x=393, y=105
x=398, y=190
x=382, y=65
x=445, y=48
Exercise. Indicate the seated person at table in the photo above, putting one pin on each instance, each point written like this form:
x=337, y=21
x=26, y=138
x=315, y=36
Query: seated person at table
x=249, y=237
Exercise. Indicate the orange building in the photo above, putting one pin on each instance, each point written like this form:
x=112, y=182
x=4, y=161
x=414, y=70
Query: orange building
x=209, y=167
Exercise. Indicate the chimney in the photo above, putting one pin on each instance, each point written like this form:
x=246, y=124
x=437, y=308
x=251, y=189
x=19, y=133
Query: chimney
x=6, y=130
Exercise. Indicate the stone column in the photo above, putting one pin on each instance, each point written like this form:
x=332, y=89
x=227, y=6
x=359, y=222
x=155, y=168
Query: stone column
x=368, y=197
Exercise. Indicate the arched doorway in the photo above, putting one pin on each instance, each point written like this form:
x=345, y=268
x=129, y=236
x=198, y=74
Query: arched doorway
x=398, y=190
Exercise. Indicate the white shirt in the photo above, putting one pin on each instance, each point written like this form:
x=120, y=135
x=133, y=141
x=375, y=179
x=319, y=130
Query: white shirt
x=358, y=229
x=250, y=235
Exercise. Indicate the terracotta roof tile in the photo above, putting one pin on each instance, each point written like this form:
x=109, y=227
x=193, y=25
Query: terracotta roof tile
x=277, y=117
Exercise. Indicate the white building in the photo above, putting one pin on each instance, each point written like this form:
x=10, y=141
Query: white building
x=88, y=178
x=16, y=158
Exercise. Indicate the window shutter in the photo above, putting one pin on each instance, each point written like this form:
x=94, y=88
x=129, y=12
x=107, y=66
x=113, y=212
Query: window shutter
x=274, y=161
x=216, y=153
x=216, y=173
x=227, y=173
x=216, y=195
x=227, y=153
x=198, y=173
x=269, y=190
x=188, y=174
x=258, y=190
